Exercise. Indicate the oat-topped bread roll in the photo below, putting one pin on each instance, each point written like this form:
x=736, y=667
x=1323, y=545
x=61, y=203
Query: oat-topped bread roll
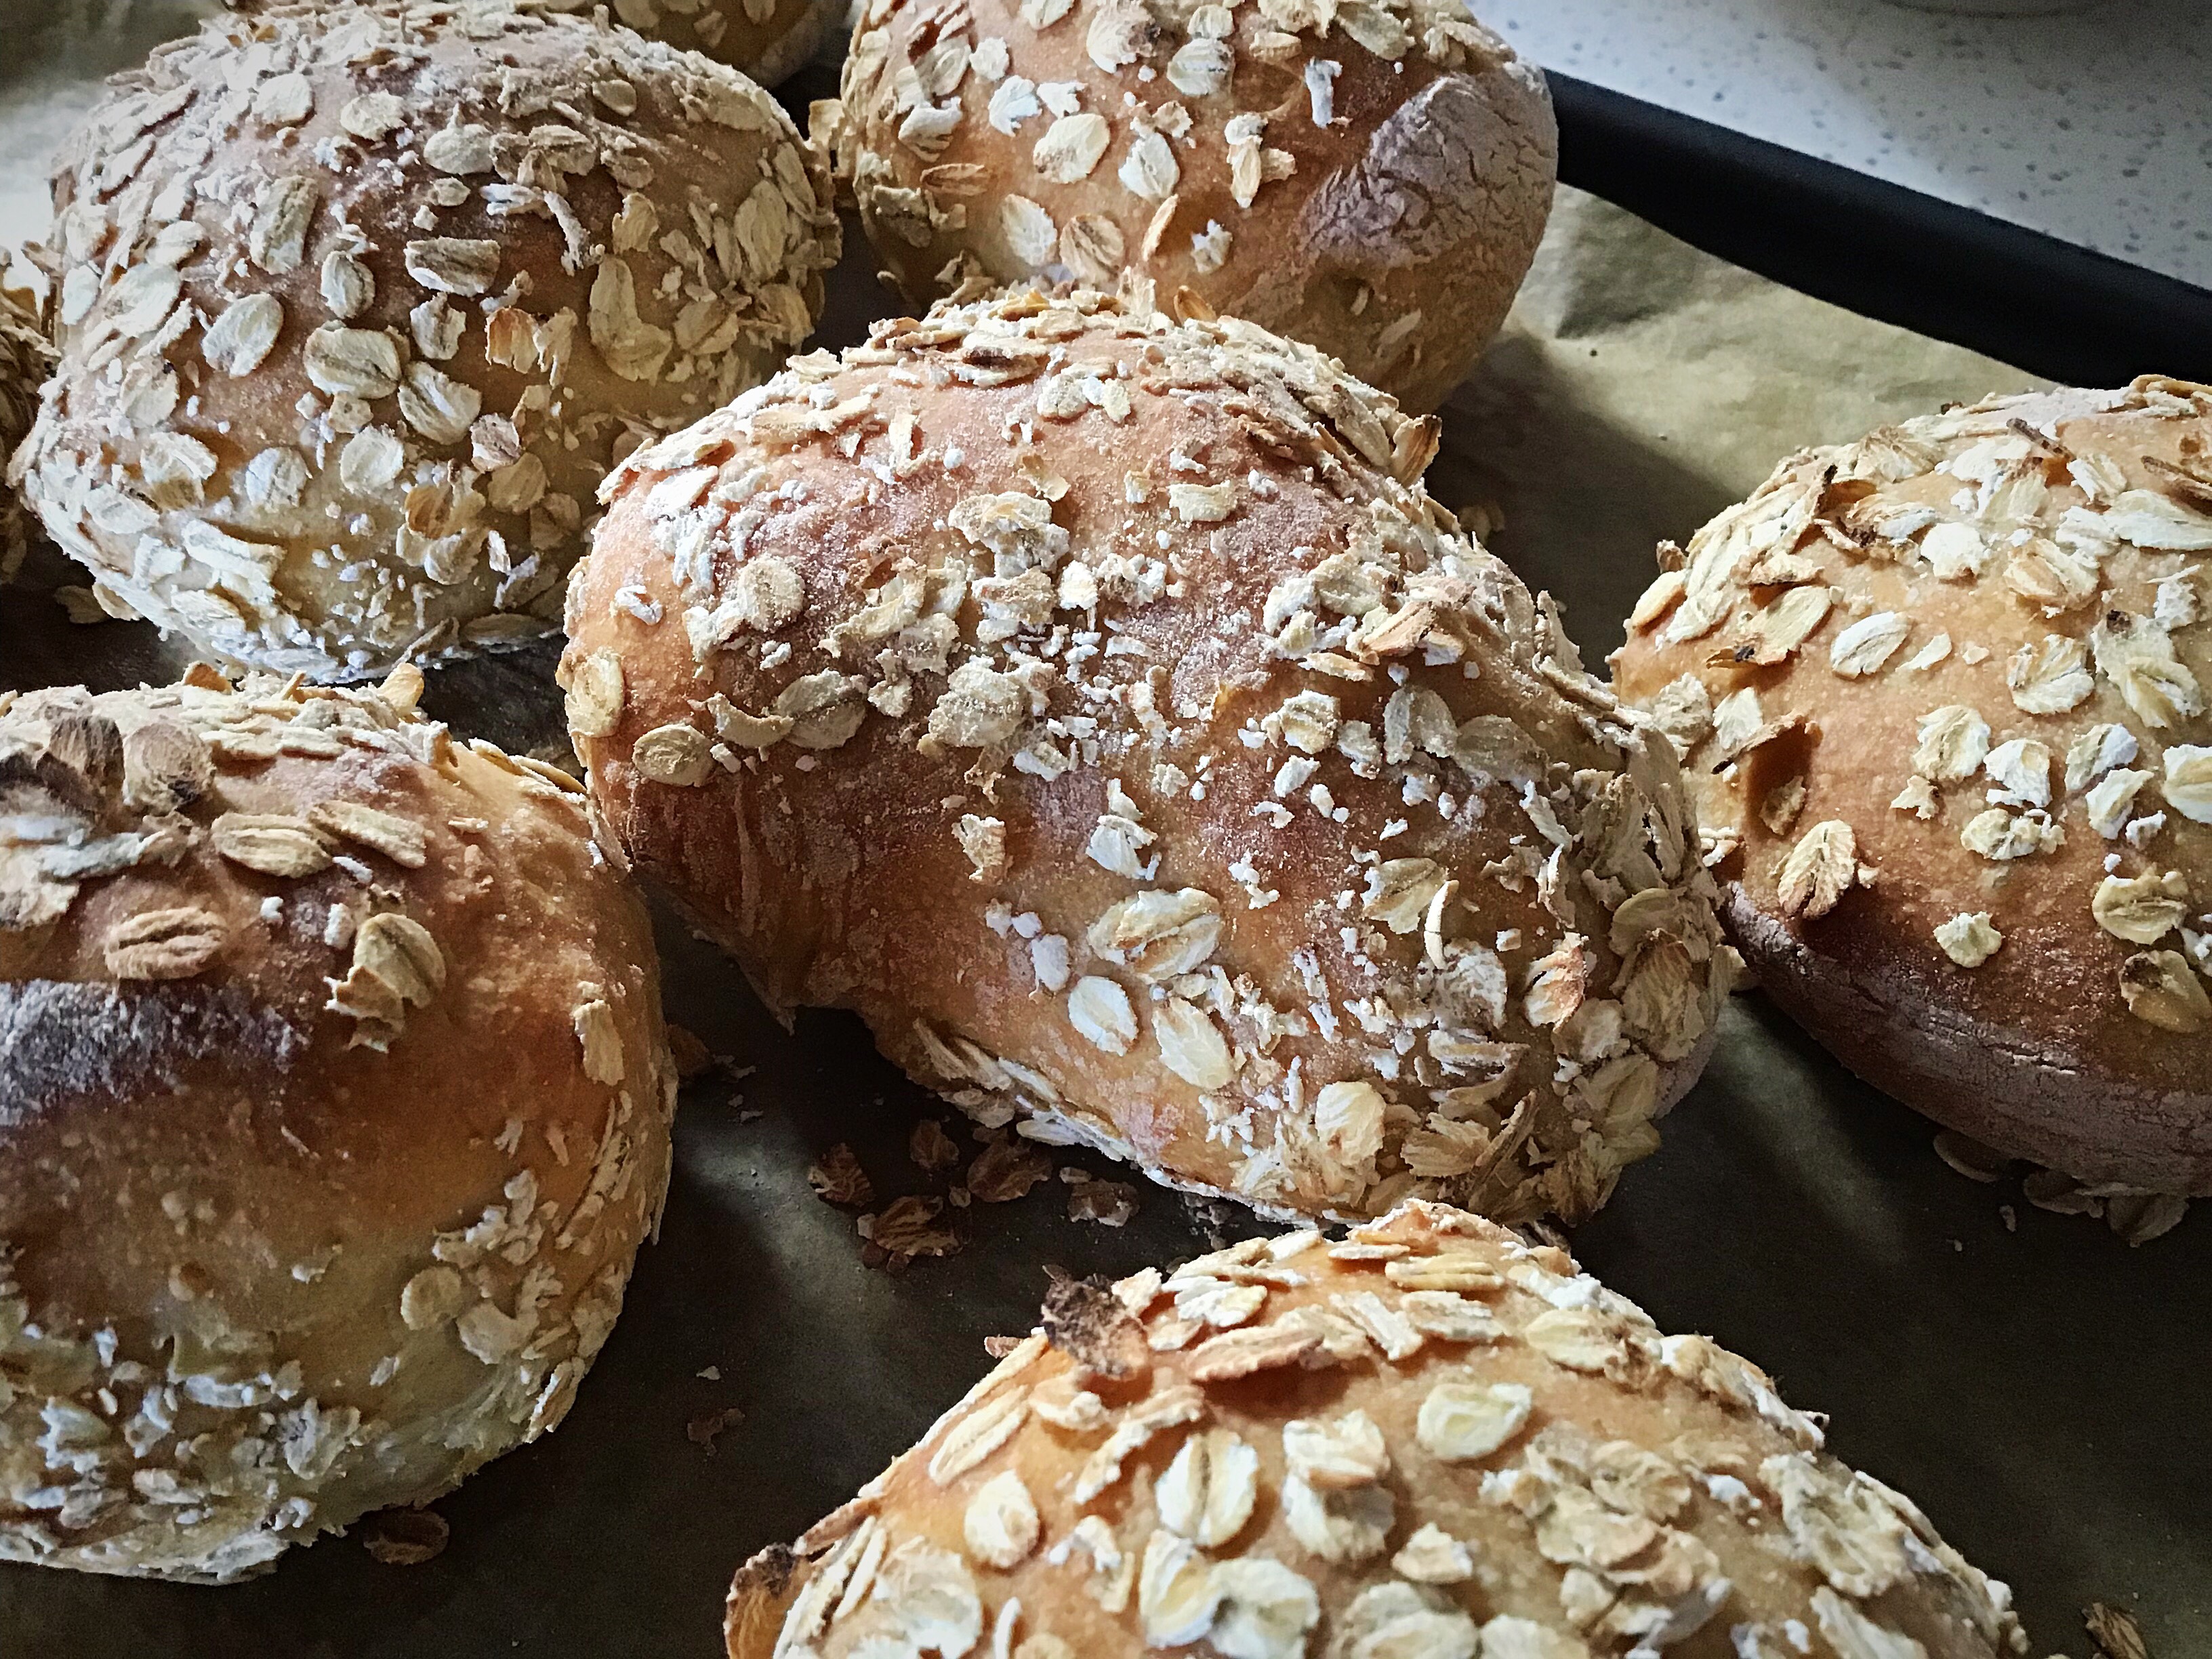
x=334, y=1100
x=1098, y=705
x=1943, y=690
x=768, y=39
x=1372, y=177
x=358, y=303
x=26, y=357
x=1427, y=1442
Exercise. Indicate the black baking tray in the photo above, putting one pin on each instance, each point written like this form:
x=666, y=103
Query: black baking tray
x=2065, y=312
x=2036, y=1385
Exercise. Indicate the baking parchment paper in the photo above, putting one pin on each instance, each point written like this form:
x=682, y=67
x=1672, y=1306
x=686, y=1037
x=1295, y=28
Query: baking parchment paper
x=2041, y=1392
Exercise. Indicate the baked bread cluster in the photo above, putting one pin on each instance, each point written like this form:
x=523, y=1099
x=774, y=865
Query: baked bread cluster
x=1371, y=176
x=1425, y=1441
x=356, y=304
x=1942, y=691
x=334, y=1099
x=1098, y=705
x=26, y=357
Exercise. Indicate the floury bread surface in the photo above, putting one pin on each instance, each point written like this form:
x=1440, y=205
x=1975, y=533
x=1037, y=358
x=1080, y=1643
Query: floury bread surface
x=358, y=303
x=765, y=39
x=1371, y=177
x=1427, y=1442
x=334, y=1098
x=1096, y=704
x=1941, y=695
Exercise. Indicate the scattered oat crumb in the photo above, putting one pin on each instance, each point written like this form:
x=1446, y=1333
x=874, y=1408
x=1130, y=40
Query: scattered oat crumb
x=405, y=1538
x=2115, y=1631
x=711, y=1374
x=999, y=1347
x=837, y=1178
x=82, y=608
x=2138, y=1218
x=929, y=1146
x=1213, y=1218
x=692, y=1059
x=2010, y=1217
x=2060, y=1193
x=702, y=1431
x=750, y=1114
x=1007, y=1169
x=1970, y=1157
x=1109, y=1203
x=906, y=1228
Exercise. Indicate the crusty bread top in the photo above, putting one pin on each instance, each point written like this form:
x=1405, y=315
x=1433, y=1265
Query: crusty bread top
x=1943, y=690
x=26, y=357
x=358, y=303
x=768, y=39
x=1371, y=176
x=1425, y=1441
x=1098, y=703
x=333, y=1097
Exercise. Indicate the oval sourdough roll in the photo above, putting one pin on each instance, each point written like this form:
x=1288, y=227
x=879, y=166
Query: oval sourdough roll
x=1098, y=705
x=1943, y=692
x=333, y=1107
x=1424, y=1442
x=358, y=302
x=26, y=357
x=1372, y=177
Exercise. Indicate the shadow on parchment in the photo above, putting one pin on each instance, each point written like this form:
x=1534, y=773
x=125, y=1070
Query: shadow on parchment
x=1515, y=439
x=2033, y=1391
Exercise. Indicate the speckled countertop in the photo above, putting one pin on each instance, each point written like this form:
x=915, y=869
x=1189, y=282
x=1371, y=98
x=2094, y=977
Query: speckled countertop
x=2094, y=127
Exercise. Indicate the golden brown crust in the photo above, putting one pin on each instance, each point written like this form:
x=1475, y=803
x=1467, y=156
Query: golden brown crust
x=1371, y=178
x=2049, y=775
x=333, y=1108
x=358, y=303
x=1098, y=705
x=766, y=39
x=1425, y=1441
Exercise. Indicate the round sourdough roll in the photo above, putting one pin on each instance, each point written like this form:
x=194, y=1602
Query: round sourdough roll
x=26, y=357
x=1424, y=1442
x=1369, y=176
x=1096, y=704
x=768, y=39
x=1942, y=693
x=334, y=1098
x=358, y=303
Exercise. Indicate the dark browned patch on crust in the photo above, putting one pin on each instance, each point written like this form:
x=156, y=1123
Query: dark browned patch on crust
x=1085, y=1321
x=64, y=1040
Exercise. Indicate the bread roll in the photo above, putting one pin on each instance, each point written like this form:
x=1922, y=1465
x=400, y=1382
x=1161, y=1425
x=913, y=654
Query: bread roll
x=768, y=39
x=1425, y=1441
x=334, y=1098
x=1943, y=690
x=26, y=357
x=358, y=302
x=1372, y=177
x=1098, y=705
